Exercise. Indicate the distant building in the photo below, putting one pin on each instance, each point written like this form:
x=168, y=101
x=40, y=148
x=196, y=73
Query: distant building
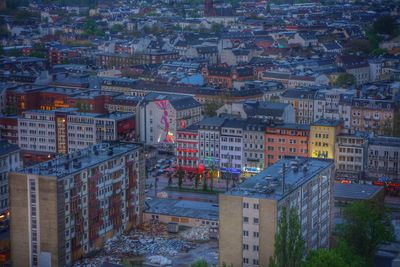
x=249, y=213
x=322, y=139
x=66, y=208
x=187, y=148
x=383, y=158
x=351, y=156
x=183, y=212
x=268, y=111
x=285, y=139
x=373, y=115
x=161, y=115
x=44, y=133
x=302, y=101
x=9, y=161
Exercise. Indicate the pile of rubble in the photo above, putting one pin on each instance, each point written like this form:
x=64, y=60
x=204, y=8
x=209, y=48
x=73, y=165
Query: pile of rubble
x=201, y=233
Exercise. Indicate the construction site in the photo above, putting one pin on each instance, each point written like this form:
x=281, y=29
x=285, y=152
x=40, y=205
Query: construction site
x=157, y=244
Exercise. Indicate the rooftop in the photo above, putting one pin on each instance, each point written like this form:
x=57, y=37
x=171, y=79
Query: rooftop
x=355, y=191
x=7, y=148
x=183, y=208
x=63, y=165
x=269, y=183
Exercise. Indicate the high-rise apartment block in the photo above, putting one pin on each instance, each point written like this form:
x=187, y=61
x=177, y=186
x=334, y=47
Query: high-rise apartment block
x=65, y=130
x=249, y=213
x=67, y=207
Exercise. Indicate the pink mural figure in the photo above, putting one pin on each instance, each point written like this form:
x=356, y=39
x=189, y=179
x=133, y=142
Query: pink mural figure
x=165, y=136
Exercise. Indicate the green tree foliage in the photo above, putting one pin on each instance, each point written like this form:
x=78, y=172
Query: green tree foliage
x=205, y=186
x=324, y=257
x=116, y=28
x=289, y=244
x=196, y=180
x=340, y=256
x=386, y=25
x=91, y=28
x=345, y=79
x=359, y=45
x=200, y=263
x=210, y=108
x=14, y=4
x=367, y=224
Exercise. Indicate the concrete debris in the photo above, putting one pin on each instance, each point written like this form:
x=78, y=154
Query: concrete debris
x=160, y=260
x=201, y=233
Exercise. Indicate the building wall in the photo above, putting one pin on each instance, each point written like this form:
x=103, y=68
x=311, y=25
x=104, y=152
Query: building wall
x=230, y=230
x=284, y=142
x=182, y=221
x=187, y=150
x=8, y=163
x=253, y=149
x=322, y=141
x=21, y=229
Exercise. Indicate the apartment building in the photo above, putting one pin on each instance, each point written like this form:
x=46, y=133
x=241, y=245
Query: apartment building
x=249, y=213
x=322, y=138
x=231, y=146
x=9, y=161
x=187, y=148
x=65, y=130
x=383, y=158
x=334, y=104
x=161, y=115
x=351, y=155
x=68, y=207
x=373, y=115
x=285, y=139
x=302, y=101
x=209, y=141
x=253, y=146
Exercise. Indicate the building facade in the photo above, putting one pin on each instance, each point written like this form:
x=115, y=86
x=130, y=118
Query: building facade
x=161, y=115
x=285, y=140
x=48, y=132
x=383, y=158
x=187, y=148
x=65, y=208
x=9, y=161
x=351, y=156
x=322, y=138
x=249, y=213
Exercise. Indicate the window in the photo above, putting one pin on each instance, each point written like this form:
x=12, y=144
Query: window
x=255, y=220
x=245, y=233
x=255, y=248
x=255, y=206
x=245, y=260
x=255, y=262
x=245, y=219
x=256, y=234
x=245, y=205
x=245, y=247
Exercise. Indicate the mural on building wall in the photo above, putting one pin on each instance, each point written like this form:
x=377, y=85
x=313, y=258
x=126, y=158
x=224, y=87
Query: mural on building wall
x=166, y=135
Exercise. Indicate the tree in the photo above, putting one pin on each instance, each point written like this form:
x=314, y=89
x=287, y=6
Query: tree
x=366, y=225
x=385, y=25
x=205, y=186
x=324, y=257
x=196, y=180
x=116, y=28
x=345, y=79
x=180, y=173
x=200, y=263
x=359, y=45
x=289, y=244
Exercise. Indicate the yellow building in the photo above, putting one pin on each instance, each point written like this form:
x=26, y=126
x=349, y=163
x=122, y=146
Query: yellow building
x=323, y=137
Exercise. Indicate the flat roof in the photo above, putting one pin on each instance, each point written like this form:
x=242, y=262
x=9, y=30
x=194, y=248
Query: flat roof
x=64, y=165
x=269, y=183
x=355, y=191
x=182, y=208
